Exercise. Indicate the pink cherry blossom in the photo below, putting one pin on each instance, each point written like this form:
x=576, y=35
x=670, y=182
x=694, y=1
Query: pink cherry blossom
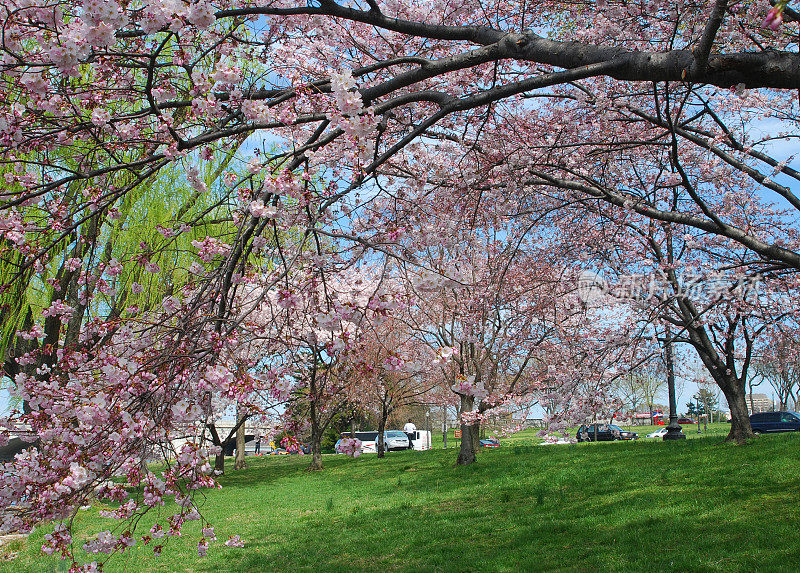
x=235, y=541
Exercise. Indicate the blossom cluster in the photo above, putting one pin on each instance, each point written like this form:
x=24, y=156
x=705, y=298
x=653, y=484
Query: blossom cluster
x=175, y=15
x=259, y=210
x=211, y=247
x=90, y=430
x=357, y=122
x=12, y=227
x=471, y=417
x=349, y=446
x=466, y=386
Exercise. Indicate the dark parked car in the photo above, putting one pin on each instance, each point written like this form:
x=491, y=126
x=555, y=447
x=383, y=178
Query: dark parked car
x=686, y=421
x=767, y=422
x=604, y=433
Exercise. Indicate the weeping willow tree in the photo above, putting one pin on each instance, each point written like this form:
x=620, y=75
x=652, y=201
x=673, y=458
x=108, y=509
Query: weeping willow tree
x=136, y=215
x=145, y=233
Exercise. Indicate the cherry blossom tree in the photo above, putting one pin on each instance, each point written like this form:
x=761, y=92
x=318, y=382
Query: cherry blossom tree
x=323, y=318
x=484, y=306
x=693, y=288
x=392, y=369
x=352, y=115
x=776, y=362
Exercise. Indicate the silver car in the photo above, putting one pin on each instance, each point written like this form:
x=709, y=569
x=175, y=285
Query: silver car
x=660, y=433
x=396, y=440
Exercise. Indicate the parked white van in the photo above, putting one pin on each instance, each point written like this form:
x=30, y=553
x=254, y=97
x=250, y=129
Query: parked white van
x=369, y=442
x=420, y=440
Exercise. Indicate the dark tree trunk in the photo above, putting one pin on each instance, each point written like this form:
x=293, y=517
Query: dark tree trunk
x=316, y=447
x=476, y=438
x=219, y=459
x=381, y=442
x=735, y=390
x=741, y=431
x=241, y=416
x=723, y=370
x=444, y=426
x=783, y=391
x=316, y=453
x=466, y=454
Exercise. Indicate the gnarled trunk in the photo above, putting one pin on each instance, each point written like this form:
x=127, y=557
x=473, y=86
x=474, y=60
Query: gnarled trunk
x=723, y=370
x=316, y=454
x=240, y=464
x=219, y=459
x=469, y=435
x=741, y=431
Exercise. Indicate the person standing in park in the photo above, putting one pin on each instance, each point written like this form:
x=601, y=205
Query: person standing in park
x=258, y=445
x=409, y=430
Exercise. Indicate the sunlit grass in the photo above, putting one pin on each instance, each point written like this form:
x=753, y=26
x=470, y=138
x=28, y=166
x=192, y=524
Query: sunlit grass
x=698, y=505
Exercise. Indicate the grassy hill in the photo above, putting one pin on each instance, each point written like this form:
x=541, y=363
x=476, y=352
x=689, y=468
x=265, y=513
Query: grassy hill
x=699, y=505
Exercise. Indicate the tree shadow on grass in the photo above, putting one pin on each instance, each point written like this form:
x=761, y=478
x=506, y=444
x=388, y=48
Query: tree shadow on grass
x=696, y=506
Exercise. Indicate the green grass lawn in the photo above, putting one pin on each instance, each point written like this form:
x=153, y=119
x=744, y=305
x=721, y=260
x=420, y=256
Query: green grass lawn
x=695, y=505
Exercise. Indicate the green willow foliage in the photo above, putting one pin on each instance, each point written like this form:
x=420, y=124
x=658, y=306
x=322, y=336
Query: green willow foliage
x=144, y=218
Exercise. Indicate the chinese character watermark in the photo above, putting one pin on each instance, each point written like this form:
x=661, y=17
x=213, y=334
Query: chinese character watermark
x=696, y=287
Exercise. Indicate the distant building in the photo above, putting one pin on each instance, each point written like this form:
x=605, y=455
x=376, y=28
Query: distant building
x=759, y=403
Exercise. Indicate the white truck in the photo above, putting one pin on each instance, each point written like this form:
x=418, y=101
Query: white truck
x=420, y=440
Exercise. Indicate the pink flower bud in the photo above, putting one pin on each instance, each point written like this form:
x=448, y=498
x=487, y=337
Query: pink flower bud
x=774, y=19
